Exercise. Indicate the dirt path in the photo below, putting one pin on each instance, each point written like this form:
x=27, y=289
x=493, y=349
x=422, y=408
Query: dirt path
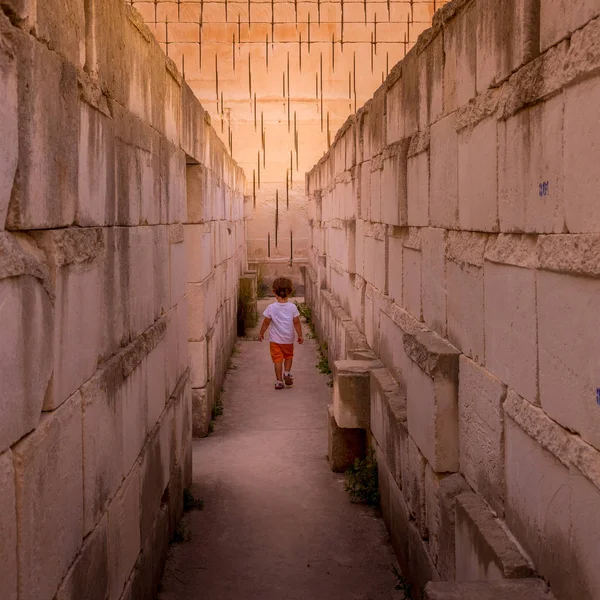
x=277, y=523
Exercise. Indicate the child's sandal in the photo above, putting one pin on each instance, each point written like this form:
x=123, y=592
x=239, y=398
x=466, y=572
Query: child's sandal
x=279, y=385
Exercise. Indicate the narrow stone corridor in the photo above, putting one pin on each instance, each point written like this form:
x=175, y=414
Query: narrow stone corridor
x=276, y=522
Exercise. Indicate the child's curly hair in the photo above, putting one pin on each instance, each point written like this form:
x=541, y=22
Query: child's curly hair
x=283, y=287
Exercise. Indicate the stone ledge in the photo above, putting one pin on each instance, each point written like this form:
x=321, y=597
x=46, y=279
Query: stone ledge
x=568, y=448
x=433, y=354
x=571, y=253
x=391, y=392
x=19, y=255
x=487, y=540
x=142, y=346
x=525, y=589
x=466, y=247
x=73, y=245
x=519, y=250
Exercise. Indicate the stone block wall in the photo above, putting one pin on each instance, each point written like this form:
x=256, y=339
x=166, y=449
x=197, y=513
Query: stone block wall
x=454, y=232
x=98, y=130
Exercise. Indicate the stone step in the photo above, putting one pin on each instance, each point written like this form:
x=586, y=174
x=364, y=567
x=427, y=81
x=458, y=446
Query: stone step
x=522, y=589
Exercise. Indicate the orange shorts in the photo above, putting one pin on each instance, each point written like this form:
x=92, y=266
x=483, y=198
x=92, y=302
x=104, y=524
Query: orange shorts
x=280, y=352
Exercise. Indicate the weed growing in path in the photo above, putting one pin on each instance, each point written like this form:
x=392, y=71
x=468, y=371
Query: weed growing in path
x=323, y=364
x=217, y=410
x=362, y=484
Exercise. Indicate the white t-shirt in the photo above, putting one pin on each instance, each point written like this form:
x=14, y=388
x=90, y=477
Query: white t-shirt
x=282, y=315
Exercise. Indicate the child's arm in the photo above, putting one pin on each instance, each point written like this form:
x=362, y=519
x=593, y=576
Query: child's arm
x=298, y=329
x=263, y=329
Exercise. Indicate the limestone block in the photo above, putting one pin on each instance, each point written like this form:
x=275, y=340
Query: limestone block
x=183, y=421
x=200, y=413
x=375, y=191
x=412, y=273
x=477, y=177
x=442, y=519
x=484, y=551
x=365, y=190
x=124, y=531
x=465, y=308
x=585, y=538
x=568, y=352
x=199, y=252
x=102, y=441
x=375, y=267
x=198, y=364
x=412, y=463
x=133, y=398
x=481, y=432
x=198, y=204
x=394, y=184
x=422, y=569
x=161, y=275
x=581, y=153
x=192, y=126
x=155, y=468
x=433, y=514
x=538, y=500
x=344, y=445
x=411, y=100
x=178, y=270
x=173, y=177
x=418, y=190
x=431, y=71
x=394, y=113
x=460, y=49
x=433, y=418
x=388, y=415
x=26, y=322
x=96, y=196
x=443, y=177
x=522, y=589
x=45, y=191
x=49, y=484
x=351, y=393
x=433, y=279
x=510, y=327
x=88, y=576
x=530, y=169
x=395, y=270
x=75, y=259
x=115, y=304
x=183, y=348
x=560, y=18
x=8, y=528
x=507, y=37
x=140, y=272
x=9, y=119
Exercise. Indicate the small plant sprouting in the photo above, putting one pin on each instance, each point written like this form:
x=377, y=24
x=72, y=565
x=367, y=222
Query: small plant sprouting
x=217, y=410
x=323, y=364
x=190, y=502
x=211, y=427
x=362, y=484
x=235, y=350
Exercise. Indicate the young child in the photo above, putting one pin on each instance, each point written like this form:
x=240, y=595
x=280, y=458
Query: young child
x=283, y=317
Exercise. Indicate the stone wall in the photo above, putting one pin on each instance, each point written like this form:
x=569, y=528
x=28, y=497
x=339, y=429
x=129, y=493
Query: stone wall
x=97, y=132
x=455, y=233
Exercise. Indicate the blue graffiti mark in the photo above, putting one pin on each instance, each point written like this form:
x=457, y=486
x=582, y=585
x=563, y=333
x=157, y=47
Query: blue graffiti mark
x=598, y=396
x=544, y=188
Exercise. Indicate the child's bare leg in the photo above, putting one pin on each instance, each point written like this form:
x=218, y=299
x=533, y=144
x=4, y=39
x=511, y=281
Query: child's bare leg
x=279, y=371
x=288, y=364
